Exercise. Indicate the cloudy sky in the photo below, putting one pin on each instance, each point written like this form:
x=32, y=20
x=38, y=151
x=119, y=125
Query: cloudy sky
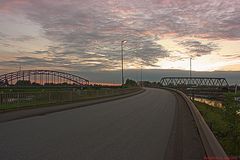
x=85, y=35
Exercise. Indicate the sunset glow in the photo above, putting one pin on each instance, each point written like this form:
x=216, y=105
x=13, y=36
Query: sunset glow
x=75, y=35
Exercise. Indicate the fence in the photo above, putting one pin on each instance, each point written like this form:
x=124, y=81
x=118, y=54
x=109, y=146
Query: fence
x=15, y=100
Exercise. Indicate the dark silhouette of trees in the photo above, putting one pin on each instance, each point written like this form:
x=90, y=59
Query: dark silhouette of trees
x=131, y=83
x=23, y=83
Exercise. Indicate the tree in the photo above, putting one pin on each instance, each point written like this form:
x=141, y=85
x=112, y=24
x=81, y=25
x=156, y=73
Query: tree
x=6, y=82
x=23, y=83
x=2, y=83
x=131, y=83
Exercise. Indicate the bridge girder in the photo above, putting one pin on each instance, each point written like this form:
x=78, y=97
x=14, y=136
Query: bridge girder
x=194, y=81
x=49, y=75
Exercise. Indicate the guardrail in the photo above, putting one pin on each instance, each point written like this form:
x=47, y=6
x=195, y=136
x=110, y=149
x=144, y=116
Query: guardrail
x=209, y=141
x=14, y=100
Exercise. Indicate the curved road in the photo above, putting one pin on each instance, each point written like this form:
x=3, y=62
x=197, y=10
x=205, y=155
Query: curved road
x=154, y=125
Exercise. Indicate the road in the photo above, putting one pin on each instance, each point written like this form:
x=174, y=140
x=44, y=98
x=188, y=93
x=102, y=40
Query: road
x=153, y=125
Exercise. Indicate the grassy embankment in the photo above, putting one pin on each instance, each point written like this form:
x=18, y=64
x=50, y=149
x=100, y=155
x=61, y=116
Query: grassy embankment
x=13, y=98
x=224, y=124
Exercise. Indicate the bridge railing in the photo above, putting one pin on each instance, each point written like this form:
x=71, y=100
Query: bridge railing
x=15, y=100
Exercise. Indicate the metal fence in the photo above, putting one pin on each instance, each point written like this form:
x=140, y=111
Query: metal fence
x=15, y=100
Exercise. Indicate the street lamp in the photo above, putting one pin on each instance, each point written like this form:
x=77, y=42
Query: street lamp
x=141, y=77
x=122, y=42
x=190, y=72
x=191, y=93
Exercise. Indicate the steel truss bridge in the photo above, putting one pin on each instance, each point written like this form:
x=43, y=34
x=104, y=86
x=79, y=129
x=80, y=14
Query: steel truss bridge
x=203, y=82
x=202, y=87
x=42, y=77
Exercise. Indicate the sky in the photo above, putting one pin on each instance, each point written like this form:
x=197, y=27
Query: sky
x=80, y=35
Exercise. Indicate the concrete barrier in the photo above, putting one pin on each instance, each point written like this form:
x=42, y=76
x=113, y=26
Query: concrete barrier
x=210, y=143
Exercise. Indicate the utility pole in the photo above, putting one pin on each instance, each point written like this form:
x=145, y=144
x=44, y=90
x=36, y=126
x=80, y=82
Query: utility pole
x=141, y=77
x=191, y=78
x=236, y=87
x=122, y=42
x=190, y=68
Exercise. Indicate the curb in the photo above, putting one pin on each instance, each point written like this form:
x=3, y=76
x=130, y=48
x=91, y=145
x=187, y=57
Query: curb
x=20, y=114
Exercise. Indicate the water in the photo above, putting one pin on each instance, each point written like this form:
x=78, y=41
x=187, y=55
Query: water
x=210, y=102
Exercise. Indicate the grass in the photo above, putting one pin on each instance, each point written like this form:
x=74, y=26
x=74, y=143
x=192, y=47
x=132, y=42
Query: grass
x=38, y=89
x=40, y=99
x=214, y=117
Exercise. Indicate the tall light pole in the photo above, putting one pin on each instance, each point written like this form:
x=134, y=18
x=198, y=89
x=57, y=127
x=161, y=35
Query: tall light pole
x=191, y=95
x=141, y=77
x=190, y=70
x=122, y=42
x=236, y=87
x=20, y=67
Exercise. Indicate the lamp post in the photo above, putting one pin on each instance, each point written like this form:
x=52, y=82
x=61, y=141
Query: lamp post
x=190, y=70
x=122, y=42
x=141, y=77
x=191, y=93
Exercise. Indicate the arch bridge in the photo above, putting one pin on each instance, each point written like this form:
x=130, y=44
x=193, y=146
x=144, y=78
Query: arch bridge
x=42, y=77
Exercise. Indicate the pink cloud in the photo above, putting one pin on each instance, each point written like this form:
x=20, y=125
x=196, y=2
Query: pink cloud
x=9, y=5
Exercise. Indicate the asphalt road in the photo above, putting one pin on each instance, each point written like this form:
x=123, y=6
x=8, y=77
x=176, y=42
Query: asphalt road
x=154, y=125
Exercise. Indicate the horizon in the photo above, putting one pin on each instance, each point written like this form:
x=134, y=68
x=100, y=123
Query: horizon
x=153, y=75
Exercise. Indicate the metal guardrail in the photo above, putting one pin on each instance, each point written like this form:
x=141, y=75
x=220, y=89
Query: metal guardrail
x=210, y=143
x=16, y=100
